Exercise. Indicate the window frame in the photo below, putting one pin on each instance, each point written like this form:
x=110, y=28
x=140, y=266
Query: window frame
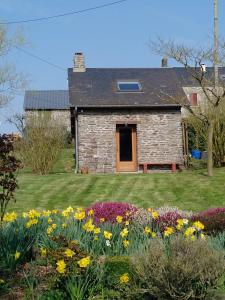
x=119, y=82
x=192, y=98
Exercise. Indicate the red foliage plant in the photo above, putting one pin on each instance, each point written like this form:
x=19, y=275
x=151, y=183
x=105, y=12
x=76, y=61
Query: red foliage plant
x=211, y=212
x=9, y=164
x=213, y=220
x=110, y=210
x=169, y=219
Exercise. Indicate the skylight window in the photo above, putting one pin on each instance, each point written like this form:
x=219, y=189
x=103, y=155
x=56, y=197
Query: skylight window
x=131, y=86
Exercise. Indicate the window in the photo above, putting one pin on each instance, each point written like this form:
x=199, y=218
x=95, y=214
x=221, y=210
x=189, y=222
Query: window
x=193, y=98
x=128, y=86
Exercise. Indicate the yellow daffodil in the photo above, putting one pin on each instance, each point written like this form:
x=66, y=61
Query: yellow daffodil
x=107, y=235
x=124, y=278
x=147, y=230
x=69, y=253
x=168, y=231
x=25, y=215
x=67, y=212
x=84, y=262
x=61, y=266
x=202, y=236
x=192, y=237
x=46, y=213
x=198, y=225
x=189, y=232
x=126, y=243
x=79, y=209
x=50, y=220
x=91, y=212
x=80, y=215
x=89, y=226
x=150, y=210
x=64, y=225
x=102, y=220
x=119, y=219
x=96, y=238
x=127, y=223
x=53, y=226
x=124, y=232
x=155, y=215
x=33, y=214
x=10, y=217
x=54, y=211
x=97, y=230
x=49, y=230
x=31, y=222
x=17, y=255
x=153, y=234
x=181, y=223
x=43, y=252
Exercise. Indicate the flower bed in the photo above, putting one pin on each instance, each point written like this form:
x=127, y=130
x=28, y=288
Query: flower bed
x=89, y=252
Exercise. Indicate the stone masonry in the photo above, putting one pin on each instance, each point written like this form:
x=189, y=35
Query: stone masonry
x=159, y=137
x=62, y=117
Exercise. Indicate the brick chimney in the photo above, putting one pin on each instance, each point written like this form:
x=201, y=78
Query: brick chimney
x=79, y=62
x=164, y=62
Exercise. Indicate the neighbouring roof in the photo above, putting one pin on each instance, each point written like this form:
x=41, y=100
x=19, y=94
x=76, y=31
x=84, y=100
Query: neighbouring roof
x=49, y=99
x=186, y=79
x=97, y=87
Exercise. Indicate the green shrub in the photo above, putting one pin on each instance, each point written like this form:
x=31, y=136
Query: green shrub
x=180, y=270
x=114, y=267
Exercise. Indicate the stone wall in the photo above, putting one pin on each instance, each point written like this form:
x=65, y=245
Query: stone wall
x=159, y=137
x=62, y=117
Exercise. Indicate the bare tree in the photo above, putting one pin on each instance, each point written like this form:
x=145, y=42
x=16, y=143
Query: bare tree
x=18, y=120
x=194, y=60
x=10, y=80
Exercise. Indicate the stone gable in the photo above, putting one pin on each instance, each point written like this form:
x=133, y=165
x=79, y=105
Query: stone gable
x=159, y=137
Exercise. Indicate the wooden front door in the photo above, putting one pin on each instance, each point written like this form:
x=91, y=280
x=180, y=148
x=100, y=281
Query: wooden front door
x=126, y=148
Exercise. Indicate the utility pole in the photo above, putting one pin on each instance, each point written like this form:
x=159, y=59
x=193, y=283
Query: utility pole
x=216, y=45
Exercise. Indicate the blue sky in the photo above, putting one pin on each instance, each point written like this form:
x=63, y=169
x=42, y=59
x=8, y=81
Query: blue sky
x=115, y=36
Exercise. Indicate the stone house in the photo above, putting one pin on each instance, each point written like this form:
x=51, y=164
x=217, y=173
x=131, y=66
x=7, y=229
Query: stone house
x=56, y=102
x=123, y=119
x=120, y=119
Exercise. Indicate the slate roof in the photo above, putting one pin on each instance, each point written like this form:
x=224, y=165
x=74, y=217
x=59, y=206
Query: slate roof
x=97, y=87
x=49, y=99
x=186, y=80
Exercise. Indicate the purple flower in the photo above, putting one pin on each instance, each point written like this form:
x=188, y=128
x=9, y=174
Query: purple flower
x=110, y=210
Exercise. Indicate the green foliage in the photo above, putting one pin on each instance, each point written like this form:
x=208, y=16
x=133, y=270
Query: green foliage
x=53, y=295
x=218, y=241
x=189, y=270
x=197, y=136
x=114, y=267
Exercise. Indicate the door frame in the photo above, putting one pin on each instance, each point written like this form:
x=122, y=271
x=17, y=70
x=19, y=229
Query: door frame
x=126, y=166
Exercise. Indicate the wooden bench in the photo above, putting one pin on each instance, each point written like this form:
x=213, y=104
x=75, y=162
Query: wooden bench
x=146, y=165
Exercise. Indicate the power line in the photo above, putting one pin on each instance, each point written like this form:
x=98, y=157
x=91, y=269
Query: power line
x=63, y=15
x=41, y=59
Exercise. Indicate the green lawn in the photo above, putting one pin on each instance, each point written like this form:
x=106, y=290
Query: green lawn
x=190, y=190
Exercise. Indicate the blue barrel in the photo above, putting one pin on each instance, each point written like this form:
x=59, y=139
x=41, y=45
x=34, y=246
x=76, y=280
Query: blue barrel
x=196, y=154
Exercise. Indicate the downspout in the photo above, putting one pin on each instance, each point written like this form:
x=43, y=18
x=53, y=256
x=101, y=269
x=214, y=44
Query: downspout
x=76, y=141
